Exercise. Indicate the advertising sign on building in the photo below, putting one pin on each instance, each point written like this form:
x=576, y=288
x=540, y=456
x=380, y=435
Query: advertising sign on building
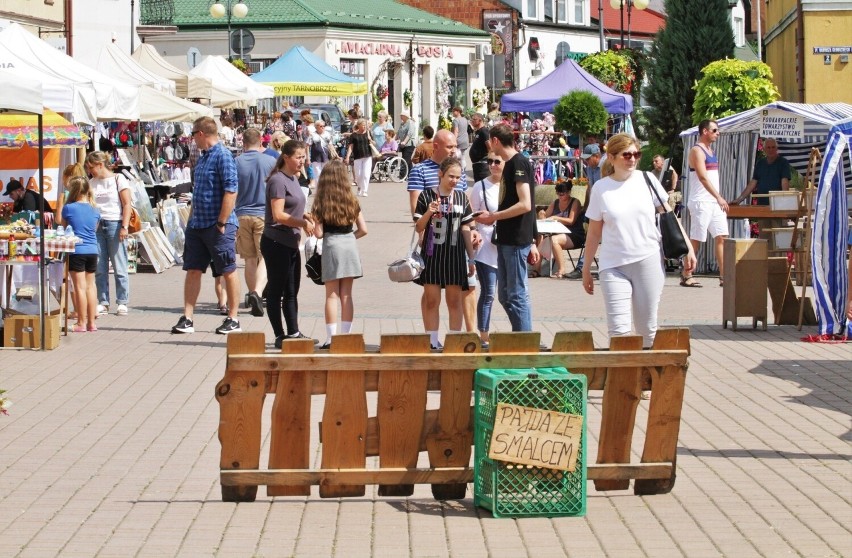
x=501, y=27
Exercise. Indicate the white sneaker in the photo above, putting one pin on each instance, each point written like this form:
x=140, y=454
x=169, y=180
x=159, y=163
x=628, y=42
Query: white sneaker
x=122, y=310
x=103, y=309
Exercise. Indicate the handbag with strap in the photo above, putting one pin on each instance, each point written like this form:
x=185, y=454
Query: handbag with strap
x=313, y=266
x=135, y=224
x=674, y=244
x=410, y=267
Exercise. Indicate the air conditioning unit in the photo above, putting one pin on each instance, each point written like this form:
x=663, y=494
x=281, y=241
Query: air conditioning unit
x=255, y=67
x=479, y=53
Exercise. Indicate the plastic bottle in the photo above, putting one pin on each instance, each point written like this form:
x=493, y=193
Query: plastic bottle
x=69, y=231
x=60, y=231
x=13, y=246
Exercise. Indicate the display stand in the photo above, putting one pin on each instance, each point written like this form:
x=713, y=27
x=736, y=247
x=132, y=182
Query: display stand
x=744, y=291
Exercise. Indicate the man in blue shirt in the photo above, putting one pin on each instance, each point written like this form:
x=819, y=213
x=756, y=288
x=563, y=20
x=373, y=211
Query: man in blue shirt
x=253, y=167
x=212, y=228
x=771, y=174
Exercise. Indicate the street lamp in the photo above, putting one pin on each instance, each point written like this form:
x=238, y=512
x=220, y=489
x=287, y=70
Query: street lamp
x=619, y=5
x=238, y=9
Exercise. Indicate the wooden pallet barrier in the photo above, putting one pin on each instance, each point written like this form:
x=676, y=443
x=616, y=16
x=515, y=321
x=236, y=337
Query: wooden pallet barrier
x=402, y=373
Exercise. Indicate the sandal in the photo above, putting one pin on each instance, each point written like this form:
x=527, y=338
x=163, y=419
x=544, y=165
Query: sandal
x=690, y=282
x=533, y=274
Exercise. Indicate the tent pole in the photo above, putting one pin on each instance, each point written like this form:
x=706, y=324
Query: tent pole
x=42, y=254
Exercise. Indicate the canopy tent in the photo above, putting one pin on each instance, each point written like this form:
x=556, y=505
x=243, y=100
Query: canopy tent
x=543, y=95
x=114, y=62
x=158, y=106
x=737, y=146
x=828, y=249
x=301, y=72
x=18, y=130
x=189, y=86
x=20, y=94
x=224, y=74
x=75, y=99
x=113, y=99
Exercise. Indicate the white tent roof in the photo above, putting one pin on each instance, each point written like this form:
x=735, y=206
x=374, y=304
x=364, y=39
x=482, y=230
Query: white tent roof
x=116, y=63
x=224, y=74
x=158, y=106
x=113, y=99
x=20, y=94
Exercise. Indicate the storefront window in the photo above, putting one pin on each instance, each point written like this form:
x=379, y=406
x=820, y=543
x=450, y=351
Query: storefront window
x=458, y=84
x=353, y=68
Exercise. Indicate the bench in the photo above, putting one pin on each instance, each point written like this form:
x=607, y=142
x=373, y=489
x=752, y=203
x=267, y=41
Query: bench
x=402, y=372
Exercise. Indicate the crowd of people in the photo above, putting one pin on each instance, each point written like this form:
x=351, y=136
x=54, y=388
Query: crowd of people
x=255, y=205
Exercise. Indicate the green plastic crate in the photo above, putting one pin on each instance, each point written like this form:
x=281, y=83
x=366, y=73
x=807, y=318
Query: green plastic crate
x=520, y=490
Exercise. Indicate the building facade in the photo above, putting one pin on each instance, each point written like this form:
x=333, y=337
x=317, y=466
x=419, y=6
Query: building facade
x=808, y=46
x=401, y=52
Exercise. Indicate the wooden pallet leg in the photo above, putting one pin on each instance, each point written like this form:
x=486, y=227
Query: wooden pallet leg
x=664, y=413
x=401, y=409
x=621, y=398
x=449, y=445
x=240, y=396
x=344, y=419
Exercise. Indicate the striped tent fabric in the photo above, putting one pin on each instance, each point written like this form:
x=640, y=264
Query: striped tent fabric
x=831, y=231
x=797, y=154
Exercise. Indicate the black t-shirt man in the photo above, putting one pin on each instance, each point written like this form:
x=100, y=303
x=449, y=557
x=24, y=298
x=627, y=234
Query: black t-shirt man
x=521, y=229
x=479, y=147
x=30, y=201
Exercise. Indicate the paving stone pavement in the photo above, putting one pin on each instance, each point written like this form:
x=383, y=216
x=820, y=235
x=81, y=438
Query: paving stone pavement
x=111, y=445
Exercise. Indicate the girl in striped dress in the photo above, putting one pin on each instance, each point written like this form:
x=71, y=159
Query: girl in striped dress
x=444, y=217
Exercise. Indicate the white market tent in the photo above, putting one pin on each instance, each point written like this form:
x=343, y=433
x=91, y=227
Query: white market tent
x=114, y=62
x=737, y=146
x=20, y=94
x=224, y=74
x=156, y=103
x=113, y=99
x=189, y=86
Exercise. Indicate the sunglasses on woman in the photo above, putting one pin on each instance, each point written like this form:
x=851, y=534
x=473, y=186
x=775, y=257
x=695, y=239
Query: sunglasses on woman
x=494, y=161
x=627, y=155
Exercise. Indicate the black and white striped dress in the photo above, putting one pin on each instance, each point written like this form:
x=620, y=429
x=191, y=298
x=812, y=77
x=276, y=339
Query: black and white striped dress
x=446, y=258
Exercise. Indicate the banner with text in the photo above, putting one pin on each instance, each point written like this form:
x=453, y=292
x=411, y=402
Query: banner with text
x=783, y=125
x=528, y=436
x=22, y=164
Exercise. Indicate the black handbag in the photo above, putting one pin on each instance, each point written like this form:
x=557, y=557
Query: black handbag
x=313, y=265
x=674, y=244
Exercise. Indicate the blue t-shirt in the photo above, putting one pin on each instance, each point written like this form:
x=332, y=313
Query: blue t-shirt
x=253, y=168
x=84, y=219
x=769, y=176
x=425, y=175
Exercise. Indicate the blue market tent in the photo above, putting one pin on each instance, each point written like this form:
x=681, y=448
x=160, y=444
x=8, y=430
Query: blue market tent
x=828, y=249
x=569, y=76
x=301, y=72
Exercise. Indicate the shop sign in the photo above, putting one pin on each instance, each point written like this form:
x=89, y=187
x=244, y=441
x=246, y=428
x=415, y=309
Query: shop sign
x=780, y=124
x=434, y=51
x=833, y=50
x=538, y=437
x=381, y=49
x=22, y=165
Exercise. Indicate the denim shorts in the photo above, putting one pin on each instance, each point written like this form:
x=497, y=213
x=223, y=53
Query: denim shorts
x=208, y=246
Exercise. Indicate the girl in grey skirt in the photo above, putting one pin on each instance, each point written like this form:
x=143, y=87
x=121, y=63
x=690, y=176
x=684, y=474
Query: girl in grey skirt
x=339, y=222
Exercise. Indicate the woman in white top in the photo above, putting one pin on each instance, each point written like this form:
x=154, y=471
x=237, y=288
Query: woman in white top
x=622, y=220
x=485, y=196
x=112, y=195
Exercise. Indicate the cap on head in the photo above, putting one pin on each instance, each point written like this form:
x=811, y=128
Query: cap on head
x=405, y=114
x=11, y=186
x=591, y=149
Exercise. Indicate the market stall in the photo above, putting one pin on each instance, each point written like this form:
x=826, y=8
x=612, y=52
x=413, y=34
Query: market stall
x=300, y=72
x=223, y=74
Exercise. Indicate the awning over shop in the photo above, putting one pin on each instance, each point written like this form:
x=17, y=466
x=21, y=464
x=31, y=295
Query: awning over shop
x=301, y=72
x=569, y=76
x=112, y=99
x=224, y=74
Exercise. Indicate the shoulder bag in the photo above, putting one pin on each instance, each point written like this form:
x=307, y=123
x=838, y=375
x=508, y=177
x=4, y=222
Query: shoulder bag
x=313, y=266
x=135, y=224
x=674, y=244
x=410, y=267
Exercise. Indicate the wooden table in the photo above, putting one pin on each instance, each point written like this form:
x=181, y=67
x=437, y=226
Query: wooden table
x=760, y=212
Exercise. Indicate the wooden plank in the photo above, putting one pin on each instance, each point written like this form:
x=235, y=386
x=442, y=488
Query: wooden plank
x=418, y=476
x=579, y=342
x=272, y=362
x=515, y=342
x=240, y=396
x=620, y=400
x=290, y=443
x=344, y=419
x=401, y=409
x=449, y=444
x=667, y=387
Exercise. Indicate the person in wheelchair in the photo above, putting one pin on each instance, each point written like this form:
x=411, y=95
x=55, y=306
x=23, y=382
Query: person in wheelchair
x=391, y=146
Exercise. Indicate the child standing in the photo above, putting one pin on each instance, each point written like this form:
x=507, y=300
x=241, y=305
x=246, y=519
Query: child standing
x=80, y=212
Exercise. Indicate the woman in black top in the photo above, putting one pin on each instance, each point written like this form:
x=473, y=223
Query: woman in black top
x=569, y=212
x=361, y=156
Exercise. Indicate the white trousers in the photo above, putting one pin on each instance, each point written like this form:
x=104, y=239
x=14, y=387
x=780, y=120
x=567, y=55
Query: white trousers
x=632, y=296
x=362, y=168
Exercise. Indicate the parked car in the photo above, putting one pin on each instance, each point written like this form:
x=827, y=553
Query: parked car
x=332, y=114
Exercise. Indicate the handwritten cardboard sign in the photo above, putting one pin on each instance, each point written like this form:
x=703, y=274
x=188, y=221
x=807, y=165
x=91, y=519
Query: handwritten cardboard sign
x=537, y=437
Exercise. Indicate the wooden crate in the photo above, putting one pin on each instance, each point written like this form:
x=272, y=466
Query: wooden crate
x=746, y=277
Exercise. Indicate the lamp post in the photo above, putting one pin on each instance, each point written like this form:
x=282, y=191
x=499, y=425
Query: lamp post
x=619, y=5
x=238, y=9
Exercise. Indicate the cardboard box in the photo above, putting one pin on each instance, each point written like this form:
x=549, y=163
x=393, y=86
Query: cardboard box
x=23, y=331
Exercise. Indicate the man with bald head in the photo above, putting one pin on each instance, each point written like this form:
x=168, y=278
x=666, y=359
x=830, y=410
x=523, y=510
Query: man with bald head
x=425, y=175
x=771, y=174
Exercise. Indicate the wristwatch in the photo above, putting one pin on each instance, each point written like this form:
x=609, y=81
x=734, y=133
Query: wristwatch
x=220, y=224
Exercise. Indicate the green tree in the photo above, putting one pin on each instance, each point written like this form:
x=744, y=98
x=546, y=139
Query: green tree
x=621, y=70
x=731, y=86
x=581, y=113
x=694, y=36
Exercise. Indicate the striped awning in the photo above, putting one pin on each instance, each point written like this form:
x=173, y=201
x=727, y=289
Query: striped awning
x=831, y=233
